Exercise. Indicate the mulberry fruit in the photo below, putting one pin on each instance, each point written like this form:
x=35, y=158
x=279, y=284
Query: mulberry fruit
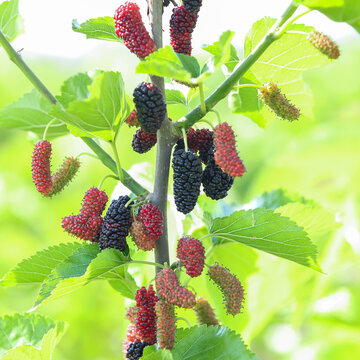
x=272, y=97
x=187, y=179
x=192, y=5
x=230, y=286
x=140, y=237
x=64, y=175
x=129, y=26
x=40, y=167
x=166, y=326
x=152, y=219
x=216, y=183
x=150, y=106
x=132, y=119
x=204, y=313
x=131, y=313
x=116, y=225
x=142, y=141
x=135, y=350
x=200, y=140
x=167, y=285
x=182, y=24
x=191, y=253
x=226, y=155
x=132, y=334
x=81, y=226
x=324, y=44
x=94, y=202
x=146, y=315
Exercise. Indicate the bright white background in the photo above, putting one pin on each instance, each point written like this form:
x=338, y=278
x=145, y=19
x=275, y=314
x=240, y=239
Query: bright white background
x=48, y=23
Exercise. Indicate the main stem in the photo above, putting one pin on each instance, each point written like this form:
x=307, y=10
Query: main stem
x=165, y=142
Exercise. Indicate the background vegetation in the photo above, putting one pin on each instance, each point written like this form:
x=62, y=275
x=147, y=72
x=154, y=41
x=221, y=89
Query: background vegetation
x=291, y=312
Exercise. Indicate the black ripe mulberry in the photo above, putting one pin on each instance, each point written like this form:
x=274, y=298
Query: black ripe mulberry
x=142, y=141
x=135, y=350
x=216, y=182
x=187, y=178
x=192, y=5
x=150, y=106
x=116, y=225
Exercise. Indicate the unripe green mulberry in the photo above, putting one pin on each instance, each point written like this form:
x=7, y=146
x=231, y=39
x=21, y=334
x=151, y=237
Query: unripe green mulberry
x=324, y=44
x=230, y=286
x=204, y=313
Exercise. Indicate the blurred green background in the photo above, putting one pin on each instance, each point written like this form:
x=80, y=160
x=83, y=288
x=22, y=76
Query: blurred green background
x=291, y=312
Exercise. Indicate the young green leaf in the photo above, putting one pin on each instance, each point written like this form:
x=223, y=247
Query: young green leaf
x=210, y=342
x=283, y=63
x=102, y=28
x=102, y=113
x=31, y=113
x=11, y=23
x=166, y=63
x=29, y=336
x=152, y=353
x=126, y=286
x=338, y=10
x=82, y=267
x=175, y=97
x=37, y=268
x=268, y=231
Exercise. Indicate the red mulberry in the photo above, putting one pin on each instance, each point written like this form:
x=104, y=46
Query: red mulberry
x=272, y=97
x=150, y=106
x=131, y=313
x=324, y=44
x=129, y=26
x=152, y=219
x=132, y=334
x=191, y=253
x=132, y=119
x=116, y=225
x=40, y=167
x=143, y=142
x=168, y=287
x=94, y=202
x=200, y=139
x=146, y=315
x=226, y=155
x=182, y=24
x=81, y=226
x=166, y=325
x=204, y=313
x=140, y=237
x=187, y=179
x=230, y=286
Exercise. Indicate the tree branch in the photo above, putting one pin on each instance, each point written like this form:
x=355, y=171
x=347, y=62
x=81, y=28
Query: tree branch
x=165, y=142
x=228, y=84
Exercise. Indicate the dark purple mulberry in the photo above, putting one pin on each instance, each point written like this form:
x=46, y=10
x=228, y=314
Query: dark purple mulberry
x=150, y=106
x=192, y=5
x=135, y=350
x=116, y=225
x=187, y=178
x=142, y=141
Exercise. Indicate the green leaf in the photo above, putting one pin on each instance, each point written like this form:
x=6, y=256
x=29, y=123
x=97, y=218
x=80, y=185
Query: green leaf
x=210, y=342
x=82, y=267
x=190, y=64
x=175, y=97
x=31, y=113
x=284, y=63
x=75, y=88
x=221, y=50
x=37, y=268
x=102, y=113
x=338, y=10
x=11, y=23
x=29, y=337
x=151, y=353
x=312, y=217
x=279, y=197
x=268, y=231
x=165, y=63
x=125, y=286
x=102, y=28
